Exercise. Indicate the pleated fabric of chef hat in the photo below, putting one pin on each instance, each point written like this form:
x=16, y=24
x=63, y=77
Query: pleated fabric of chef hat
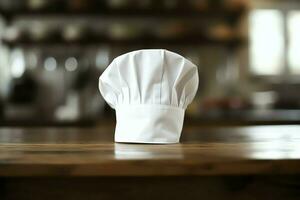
x=150, y=90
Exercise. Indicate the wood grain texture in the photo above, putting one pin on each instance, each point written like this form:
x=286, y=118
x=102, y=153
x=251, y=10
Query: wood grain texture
x=203, y=151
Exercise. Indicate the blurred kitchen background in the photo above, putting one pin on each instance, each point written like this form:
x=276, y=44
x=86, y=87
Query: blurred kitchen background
x=53, y=51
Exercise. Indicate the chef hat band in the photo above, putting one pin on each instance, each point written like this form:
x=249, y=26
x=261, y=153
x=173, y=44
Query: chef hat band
x=148, y=123
x=150, y=90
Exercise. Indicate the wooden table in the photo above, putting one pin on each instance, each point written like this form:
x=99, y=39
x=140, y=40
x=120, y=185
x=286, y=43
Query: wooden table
x=214, y=162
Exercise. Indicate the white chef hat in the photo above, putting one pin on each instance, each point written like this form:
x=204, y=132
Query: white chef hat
x=150, y=90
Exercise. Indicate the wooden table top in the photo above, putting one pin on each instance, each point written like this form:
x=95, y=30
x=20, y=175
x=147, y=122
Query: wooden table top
x=203, y=151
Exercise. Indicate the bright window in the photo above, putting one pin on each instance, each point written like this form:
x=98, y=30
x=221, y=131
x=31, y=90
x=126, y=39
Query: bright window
x=294, y=41
x=266, y=42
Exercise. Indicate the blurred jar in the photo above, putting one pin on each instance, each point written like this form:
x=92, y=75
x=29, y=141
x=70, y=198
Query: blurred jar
x=74, y=32
x=38, y=4
x=123, y=31
x=13, y=34
x=171, y=30
x=31, y=58
x=102, y=58
x=39, y=31
x=220, y=32
x=264, y=100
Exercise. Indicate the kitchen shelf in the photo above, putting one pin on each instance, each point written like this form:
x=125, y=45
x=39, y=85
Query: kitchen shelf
x=227, y=11
x=126, y=13
x=144, y=41
x=218, y=12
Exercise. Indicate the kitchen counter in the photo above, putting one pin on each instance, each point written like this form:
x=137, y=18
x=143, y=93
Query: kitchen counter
x=73, y=152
